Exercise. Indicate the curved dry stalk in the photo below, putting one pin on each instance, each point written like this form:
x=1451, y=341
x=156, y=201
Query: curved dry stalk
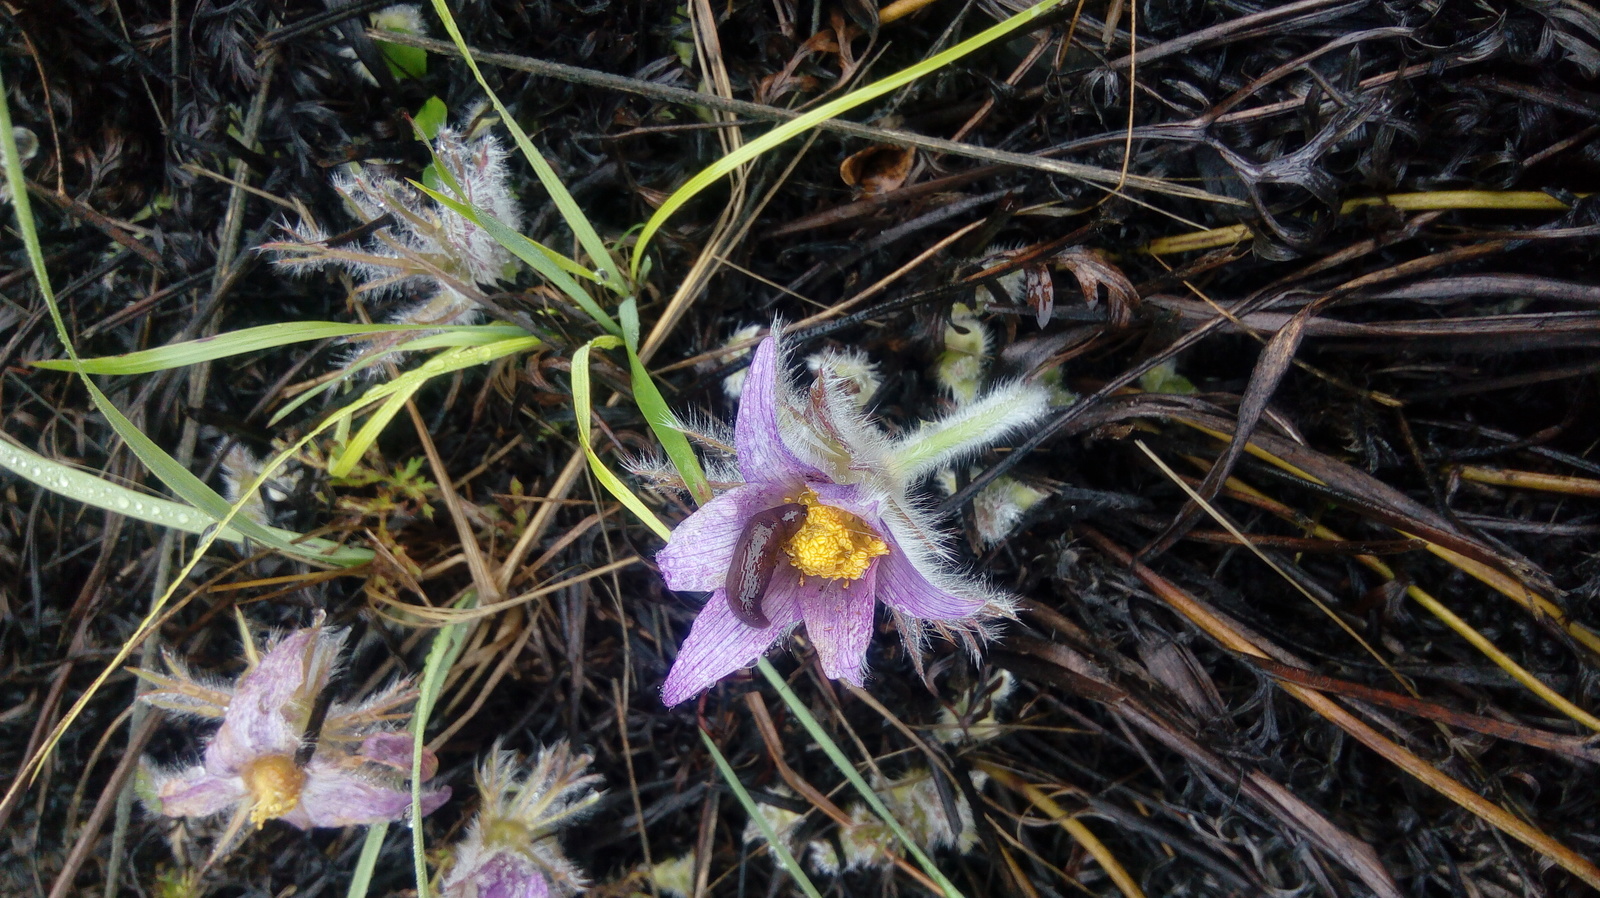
x=1069, y=822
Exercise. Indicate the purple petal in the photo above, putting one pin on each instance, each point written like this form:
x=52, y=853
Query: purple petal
x=335, y=796
x=763, y=455
x=258, y=721
x=700, y=549
x=720, y=643
x=393, y=750
x=906, y=589
x=838, y=617
x=498, y=874
x=196, y=793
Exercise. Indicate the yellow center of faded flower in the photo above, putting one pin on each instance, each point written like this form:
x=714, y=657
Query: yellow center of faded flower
x=832, y=543
x=274, y=782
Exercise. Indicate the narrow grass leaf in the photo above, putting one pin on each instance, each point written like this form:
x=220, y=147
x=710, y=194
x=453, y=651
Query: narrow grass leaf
x=367, y=861
x=647, y=396
x=395, y=393
x=345, y=461
x=780, y=850
x=551, y=265
x=837, y=756
x=221, y=346
x=588, y=238
x=81, y=486
x=442, y=655
x=582, y=409
x=457, y=335
x=714, y=172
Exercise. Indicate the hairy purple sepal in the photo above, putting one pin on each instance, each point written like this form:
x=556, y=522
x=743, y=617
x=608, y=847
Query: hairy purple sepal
x=755, y=557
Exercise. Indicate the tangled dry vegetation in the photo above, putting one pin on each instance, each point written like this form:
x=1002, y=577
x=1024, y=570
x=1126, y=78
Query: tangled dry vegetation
x=1306, y=568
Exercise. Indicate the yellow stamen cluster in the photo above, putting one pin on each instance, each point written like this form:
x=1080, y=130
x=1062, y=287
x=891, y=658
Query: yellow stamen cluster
x=833, y=543
x=274, y=782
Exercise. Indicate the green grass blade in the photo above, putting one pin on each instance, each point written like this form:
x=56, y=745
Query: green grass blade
x=582, y=408
x=785, y=859
x=81, y=486
x=835, y=754
x=343, y=463
x=469, y=335
x=395, y=393
x=656, y=411
x=551, y=265
x=588, y=238
x=513, y=240
x=361, y=877
x=715, y=171
x=442, y=655
x=177, y=478
x=221, y=346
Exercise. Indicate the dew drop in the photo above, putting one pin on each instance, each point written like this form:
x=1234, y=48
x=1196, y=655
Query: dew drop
x=123, y=503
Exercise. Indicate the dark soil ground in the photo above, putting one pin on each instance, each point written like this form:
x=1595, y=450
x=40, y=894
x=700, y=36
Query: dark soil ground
x=1416, y=376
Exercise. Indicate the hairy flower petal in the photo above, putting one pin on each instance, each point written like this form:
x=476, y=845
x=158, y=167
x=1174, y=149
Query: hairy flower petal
x=838, y=617
x=393, y=750
x=337, y=796
x=907, y=590
x=700, y=549
x=863, y=537
x=500, y=874
x=356, y=775
x=720, y=643
x=196, y=793
x=763, y=454
x=259, y=716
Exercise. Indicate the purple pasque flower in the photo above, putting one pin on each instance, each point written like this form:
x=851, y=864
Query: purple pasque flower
x=510, y=850
x=825, y=526
x=356, y=775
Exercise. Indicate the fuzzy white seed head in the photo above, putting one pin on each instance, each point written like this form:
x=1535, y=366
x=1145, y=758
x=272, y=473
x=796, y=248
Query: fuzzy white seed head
x=782, y=821
x=428, y=253
x=405, y=18
x=854, y=369
x=733, y=384
x=240, y=468
x=999, y=507
x=913, y=800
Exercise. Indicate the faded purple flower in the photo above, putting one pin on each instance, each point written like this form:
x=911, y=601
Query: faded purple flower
x=356, y=775
x=425, y=249
x=510, y=850
x=824, y=527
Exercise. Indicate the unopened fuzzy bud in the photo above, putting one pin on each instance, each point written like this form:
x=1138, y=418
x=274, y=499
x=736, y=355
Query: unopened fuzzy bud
x=965, y=358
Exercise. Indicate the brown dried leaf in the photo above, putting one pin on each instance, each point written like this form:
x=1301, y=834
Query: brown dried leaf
x=1094, y=270
x=878, y=169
